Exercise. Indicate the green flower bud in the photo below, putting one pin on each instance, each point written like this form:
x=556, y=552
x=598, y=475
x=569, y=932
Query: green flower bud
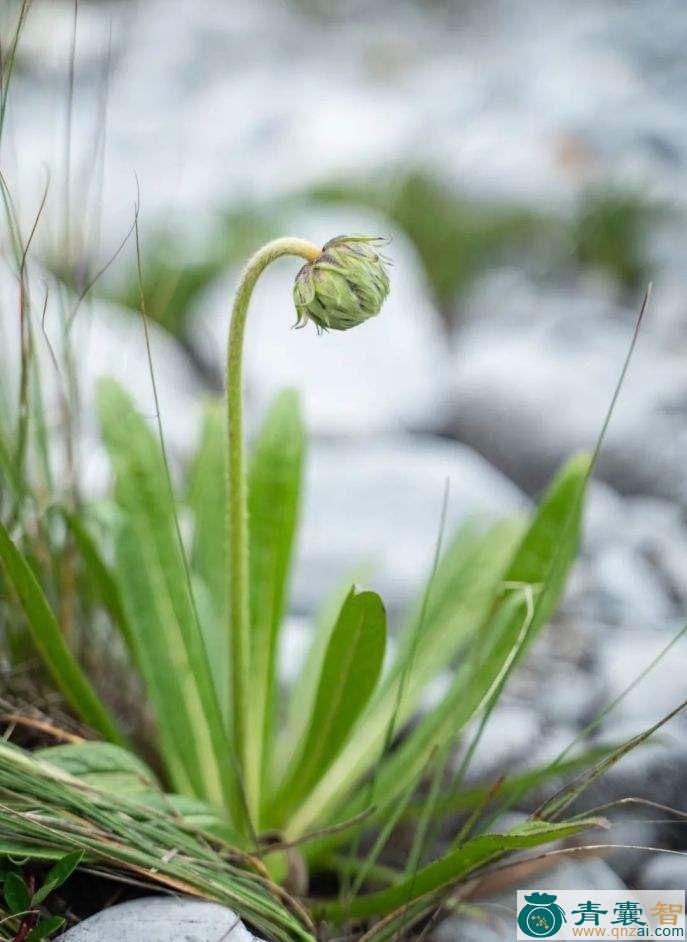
x=344, y=286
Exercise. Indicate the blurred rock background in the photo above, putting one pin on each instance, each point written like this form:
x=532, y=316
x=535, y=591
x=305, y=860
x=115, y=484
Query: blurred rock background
x=528, y=162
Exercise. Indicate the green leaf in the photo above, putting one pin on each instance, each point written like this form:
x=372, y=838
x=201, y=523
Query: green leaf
x=45, y=928
x=56, y=876
x=101, y=579
x=273, y=498
x=195, y=813
x=304, y=689
x=101, y=765
x=7, y=466
x=552, y=541
x=468, y=578
x=160, y=655
x=51, y=646
x=16, y=893
x=109, y=768
x=467, y=581
x=170, y=646
x=454, y=867
x=541, y=563
x=207, y=498
x=350, y=672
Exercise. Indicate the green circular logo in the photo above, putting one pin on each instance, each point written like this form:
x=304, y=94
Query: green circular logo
x=542, y=917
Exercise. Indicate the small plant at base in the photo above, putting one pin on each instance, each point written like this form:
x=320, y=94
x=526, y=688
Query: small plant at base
x=24, y=898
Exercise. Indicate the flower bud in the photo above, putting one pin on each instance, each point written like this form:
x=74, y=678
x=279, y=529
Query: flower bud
x=344, y=286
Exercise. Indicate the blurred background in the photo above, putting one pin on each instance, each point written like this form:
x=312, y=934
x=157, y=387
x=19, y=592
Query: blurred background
x=528, y=162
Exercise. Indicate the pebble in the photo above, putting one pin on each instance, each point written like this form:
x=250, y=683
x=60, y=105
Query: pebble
x=161, y=919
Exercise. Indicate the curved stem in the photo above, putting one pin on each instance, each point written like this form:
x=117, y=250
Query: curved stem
x=237, y=505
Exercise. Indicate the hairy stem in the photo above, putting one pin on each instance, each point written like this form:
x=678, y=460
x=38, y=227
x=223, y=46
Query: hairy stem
x=246, y=740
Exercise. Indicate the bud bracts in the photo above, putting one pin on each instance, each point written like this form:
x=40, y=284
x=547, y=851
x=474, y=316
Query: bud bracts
x=344, y=286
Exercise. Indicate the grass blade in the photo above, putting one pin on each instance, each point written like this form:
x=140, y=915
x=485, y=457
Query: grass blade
x=542, y=561
x=454, y=866
x=51, y=646
x=47, y=813
x=467, y=602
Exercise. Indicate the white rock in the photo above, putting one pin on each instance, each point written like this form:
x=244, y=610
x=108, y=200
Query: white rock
x=161, y=919
x=534, y=374
x=566, y=696
x=378, y=501
x=624, y=658
x=633, y=592
x=664, y=872
x=509, y=736
x=592, y=873
x=601, y=98
x=635, y=835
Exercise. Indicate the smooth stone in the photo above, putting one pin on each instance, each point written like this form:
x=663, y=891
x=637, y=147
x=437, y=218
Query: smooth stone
x=374, y=504
x=631, y=589
x=534, y=372
x=162, y=919
x=565, y=696
x=622, y=658
x=664, y=872
x=510, y=736
x=592, y=873
x=636, y=835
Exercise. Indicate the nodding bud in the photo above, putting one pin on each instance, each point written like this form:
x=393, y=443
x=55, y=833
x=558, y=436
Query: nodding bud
x=344, y=286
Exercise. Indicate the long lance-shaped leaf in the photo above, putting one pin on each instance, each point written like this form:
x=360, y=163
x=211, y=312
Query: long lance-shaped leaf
x=162, y=660
x=161, y=609
x=109, y=768
x=453, y=867
x=273, y=498
x=477, y=572
x=303, y=690
x=100, y=765
x=50, y=644
x=207, y=497
x=541, y=561
x=350, y=672
x=552, y=542
x=7, y=466
x=461, y=592
x=412, y=758
x=101, y=578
